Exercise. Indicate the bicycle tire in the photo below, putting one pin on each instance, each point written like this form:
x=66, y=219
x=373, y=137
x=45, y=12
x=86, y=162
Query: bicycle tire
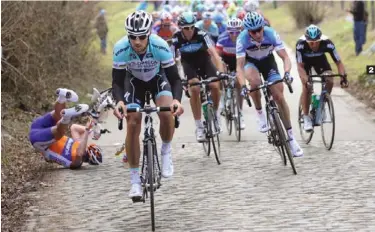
x=283, y=138
x=328, y=100
x=206, y=144
x=214, y=135
x=306, y=138
x=150, y=163
x=228, y=114
x=274, y=133
x=235, y=108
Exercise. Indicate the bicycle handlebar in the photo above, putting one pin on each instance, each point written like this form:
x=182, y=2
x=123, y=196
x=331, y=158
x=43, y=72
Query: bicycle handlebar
x=266, y=85
x=149, y=110
x=220, y=76
x=330, y=75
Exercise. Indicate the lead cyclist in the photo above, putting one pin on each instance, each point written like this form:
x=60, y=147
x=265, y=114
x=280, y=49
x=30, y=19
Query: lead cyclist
x=143, y=62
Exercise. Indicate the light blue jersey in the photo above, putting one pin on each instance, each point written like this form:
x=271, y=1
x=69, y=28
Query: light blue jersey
x=213, y=30
x=249, y=48
x=143, y=67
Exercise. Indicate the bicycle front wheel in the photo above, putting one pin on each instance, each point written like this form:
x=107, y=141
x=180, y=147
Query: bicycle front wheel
x=283, y=139
x=235, y=109
x=327, y=121
x=215, y=131
x=206, y=144
x=274, y=135
x=150, y=171
x=228, y=113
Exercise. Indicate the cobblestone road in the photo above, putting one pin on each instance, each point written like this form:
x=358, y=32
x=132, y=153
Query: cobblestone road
x=251, y=191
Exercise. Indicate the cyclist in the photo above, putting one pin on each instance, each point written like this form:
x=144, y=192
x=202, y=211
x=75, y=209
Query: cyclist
x=143, y=62
x=47, y=134
x=253, y=5
x=310, y=49
x=196, y=48
x=208, y=26
x=199, y=10
x=165, y=28
x=219, y=19
x=254, y=54
x=226, y=47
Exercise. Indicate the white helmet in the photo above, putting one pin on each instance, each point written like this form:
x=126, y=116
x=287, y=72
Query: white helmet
x=251, y=5
x=138, y=23
x=165, y=15
x=234, y=24
x=220, y=7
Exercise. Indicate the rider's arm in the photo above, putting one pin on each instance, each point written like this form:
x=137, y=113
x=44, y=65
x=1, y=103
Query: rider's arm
x=240, y=70
x=167, y=62
x=218, y=63
x=81, y=150
x=118, y=80
x=300, y=65
x=335, y=57
x=284, y=56
x=174, y=80
x=281, y=52
x=240, y=61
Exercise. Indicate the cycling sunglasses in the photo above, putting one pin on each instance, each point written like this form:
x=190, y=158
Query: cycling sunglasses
x=140, y=37
x=234, y=32
x=256, y=30
x=313, y=41
x=188, y=28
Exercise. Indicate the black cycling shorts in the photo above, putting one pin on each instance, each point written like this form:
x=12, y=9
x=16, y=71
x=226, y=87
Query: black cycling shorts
x=204, y=70
x=267, y=67
x=320, y=65
x=230, y=61
x=135, y=89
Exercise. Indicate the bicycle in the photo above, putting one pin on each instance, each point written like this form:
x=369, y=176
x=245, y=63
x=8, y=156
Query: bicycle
x=210, y=122
x=232, y=107
x=151, y=172
x=276, y=135
x=317, y=110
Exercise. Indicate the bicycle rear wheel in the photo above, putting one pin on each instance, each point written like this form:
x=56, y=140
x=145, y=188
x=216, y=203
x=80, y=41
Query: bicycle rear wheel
x=284, y=140
x=215, y=131
x=150, y=171
x=326, y=119
x=274, y=135
x=235, y=109
x=306, y=136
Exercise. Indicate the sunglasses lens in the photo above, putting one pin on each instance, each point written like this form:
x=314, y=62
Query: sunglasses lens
x=188, y=28
x=133, y=37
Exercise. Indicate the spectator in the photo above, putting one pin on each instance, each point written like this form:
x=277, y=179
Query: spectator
x=102, y=30
x=359, y=16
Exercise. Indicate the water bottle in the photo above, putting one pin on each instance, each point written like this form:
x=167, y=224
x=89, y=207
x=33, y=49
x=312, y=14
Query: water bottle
x=316, y=104
x=315, y=100
x=204, y=107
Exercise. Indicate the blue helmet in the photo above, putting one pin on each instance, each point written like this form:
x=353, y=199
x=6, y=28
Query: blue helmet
x=186, y=19
x=200, y=7
x=253, y=20
x=218, y=17
x=167, y=8
x=313, y=33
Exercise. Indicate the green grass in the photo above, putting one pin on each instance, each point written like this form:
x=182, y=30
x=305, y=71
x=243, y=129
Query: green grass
x=334, y=26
